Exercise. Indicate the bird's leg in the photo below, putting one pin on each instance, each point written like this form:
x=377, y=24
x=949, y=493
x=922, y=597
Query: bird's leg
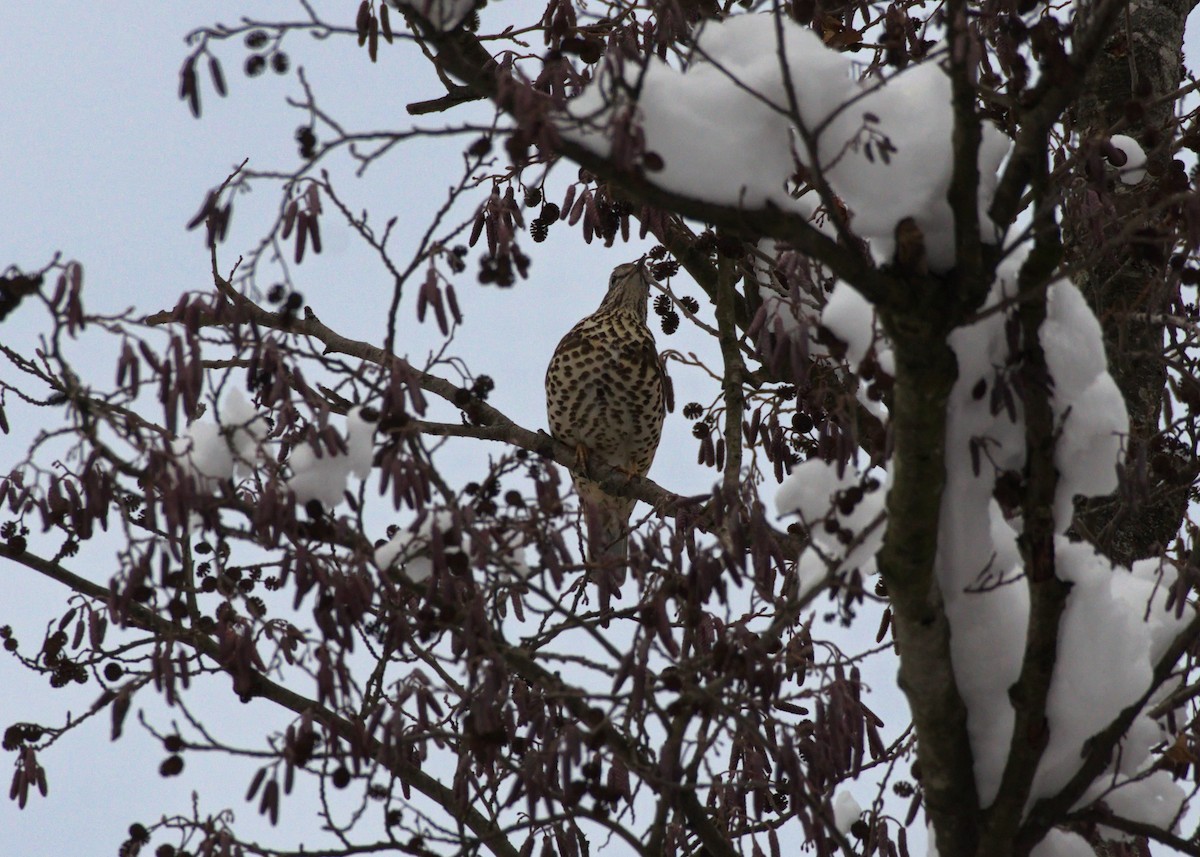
x=629, y=471
x=581, y=458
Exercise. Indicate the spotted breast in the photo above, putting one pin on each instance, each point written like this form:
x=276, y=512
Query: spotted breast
x=604, y=396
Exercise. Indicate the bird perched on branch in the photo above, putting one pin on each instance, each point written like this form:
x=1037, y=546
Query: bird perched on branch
x=604, y=396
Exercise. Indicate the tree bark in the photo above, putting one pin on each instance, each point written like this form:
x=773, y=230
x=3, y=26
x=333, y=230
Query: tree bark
x=1140, y=65
x=1130, y=88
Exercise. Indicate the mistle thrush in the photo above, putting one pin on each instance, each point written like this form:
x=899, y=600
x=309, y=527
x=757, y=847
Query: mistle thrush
x=604, y=396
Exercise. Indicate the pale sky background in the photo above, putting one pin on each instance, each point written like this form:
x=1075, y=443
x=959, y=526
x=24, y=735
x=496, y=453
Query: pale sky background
x=101, y=161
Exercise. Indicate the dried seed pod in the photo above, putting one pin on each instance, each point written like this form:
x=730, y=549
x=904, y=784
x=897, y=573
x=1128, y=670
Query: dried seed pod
x=217, y=75
x=385, y=23
x=362, y=22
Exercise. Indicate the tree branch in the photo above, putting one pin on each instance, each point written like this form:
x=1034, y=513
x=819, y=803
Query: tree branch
x=1052, y=95
x=925, y=373
x=734, y=378
x=1047, y=594
x=490, y=835
x=461, y=53
x=1141, y=829
x=484, y=422
x=964, y=184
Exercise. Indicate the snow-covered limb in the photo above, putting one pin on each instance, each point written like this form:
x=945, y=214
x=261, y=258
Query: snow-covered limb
x=461, y=53
x=982, y=568
x=982, y=571
x=858, y=137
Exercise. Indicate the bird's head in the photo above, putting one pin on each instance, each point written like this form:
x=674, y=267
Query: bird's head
x=628, y=290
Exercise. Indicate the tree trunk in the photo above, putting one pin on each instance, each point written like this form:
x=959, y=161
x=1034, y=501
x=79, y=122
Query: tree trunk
x=1129, y=90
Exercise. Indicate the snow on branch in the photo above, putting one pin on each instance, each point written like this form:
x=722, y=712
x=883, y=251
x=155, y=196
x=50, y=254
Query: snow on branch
x=769, y=97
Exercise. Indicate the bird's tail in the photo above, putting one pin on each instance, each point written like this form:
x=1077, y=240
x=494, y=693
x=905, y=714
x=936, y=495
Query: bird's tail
x=607, y=520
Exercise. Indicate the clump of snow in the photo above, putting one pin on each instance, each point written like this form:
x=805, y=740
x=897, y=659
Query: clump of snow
x=846, y=811
x=1086, y=400
x=214, y=452
x=410, y=549
x=1134, y=168
x=444, y=15
x=323, y=478
x=863, y=136
x=1060, y=843
x=1105, y=659
x=850, y=504
x=1116, y=626
x=851, y=318
x=1155, y=800
x=205, y=451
